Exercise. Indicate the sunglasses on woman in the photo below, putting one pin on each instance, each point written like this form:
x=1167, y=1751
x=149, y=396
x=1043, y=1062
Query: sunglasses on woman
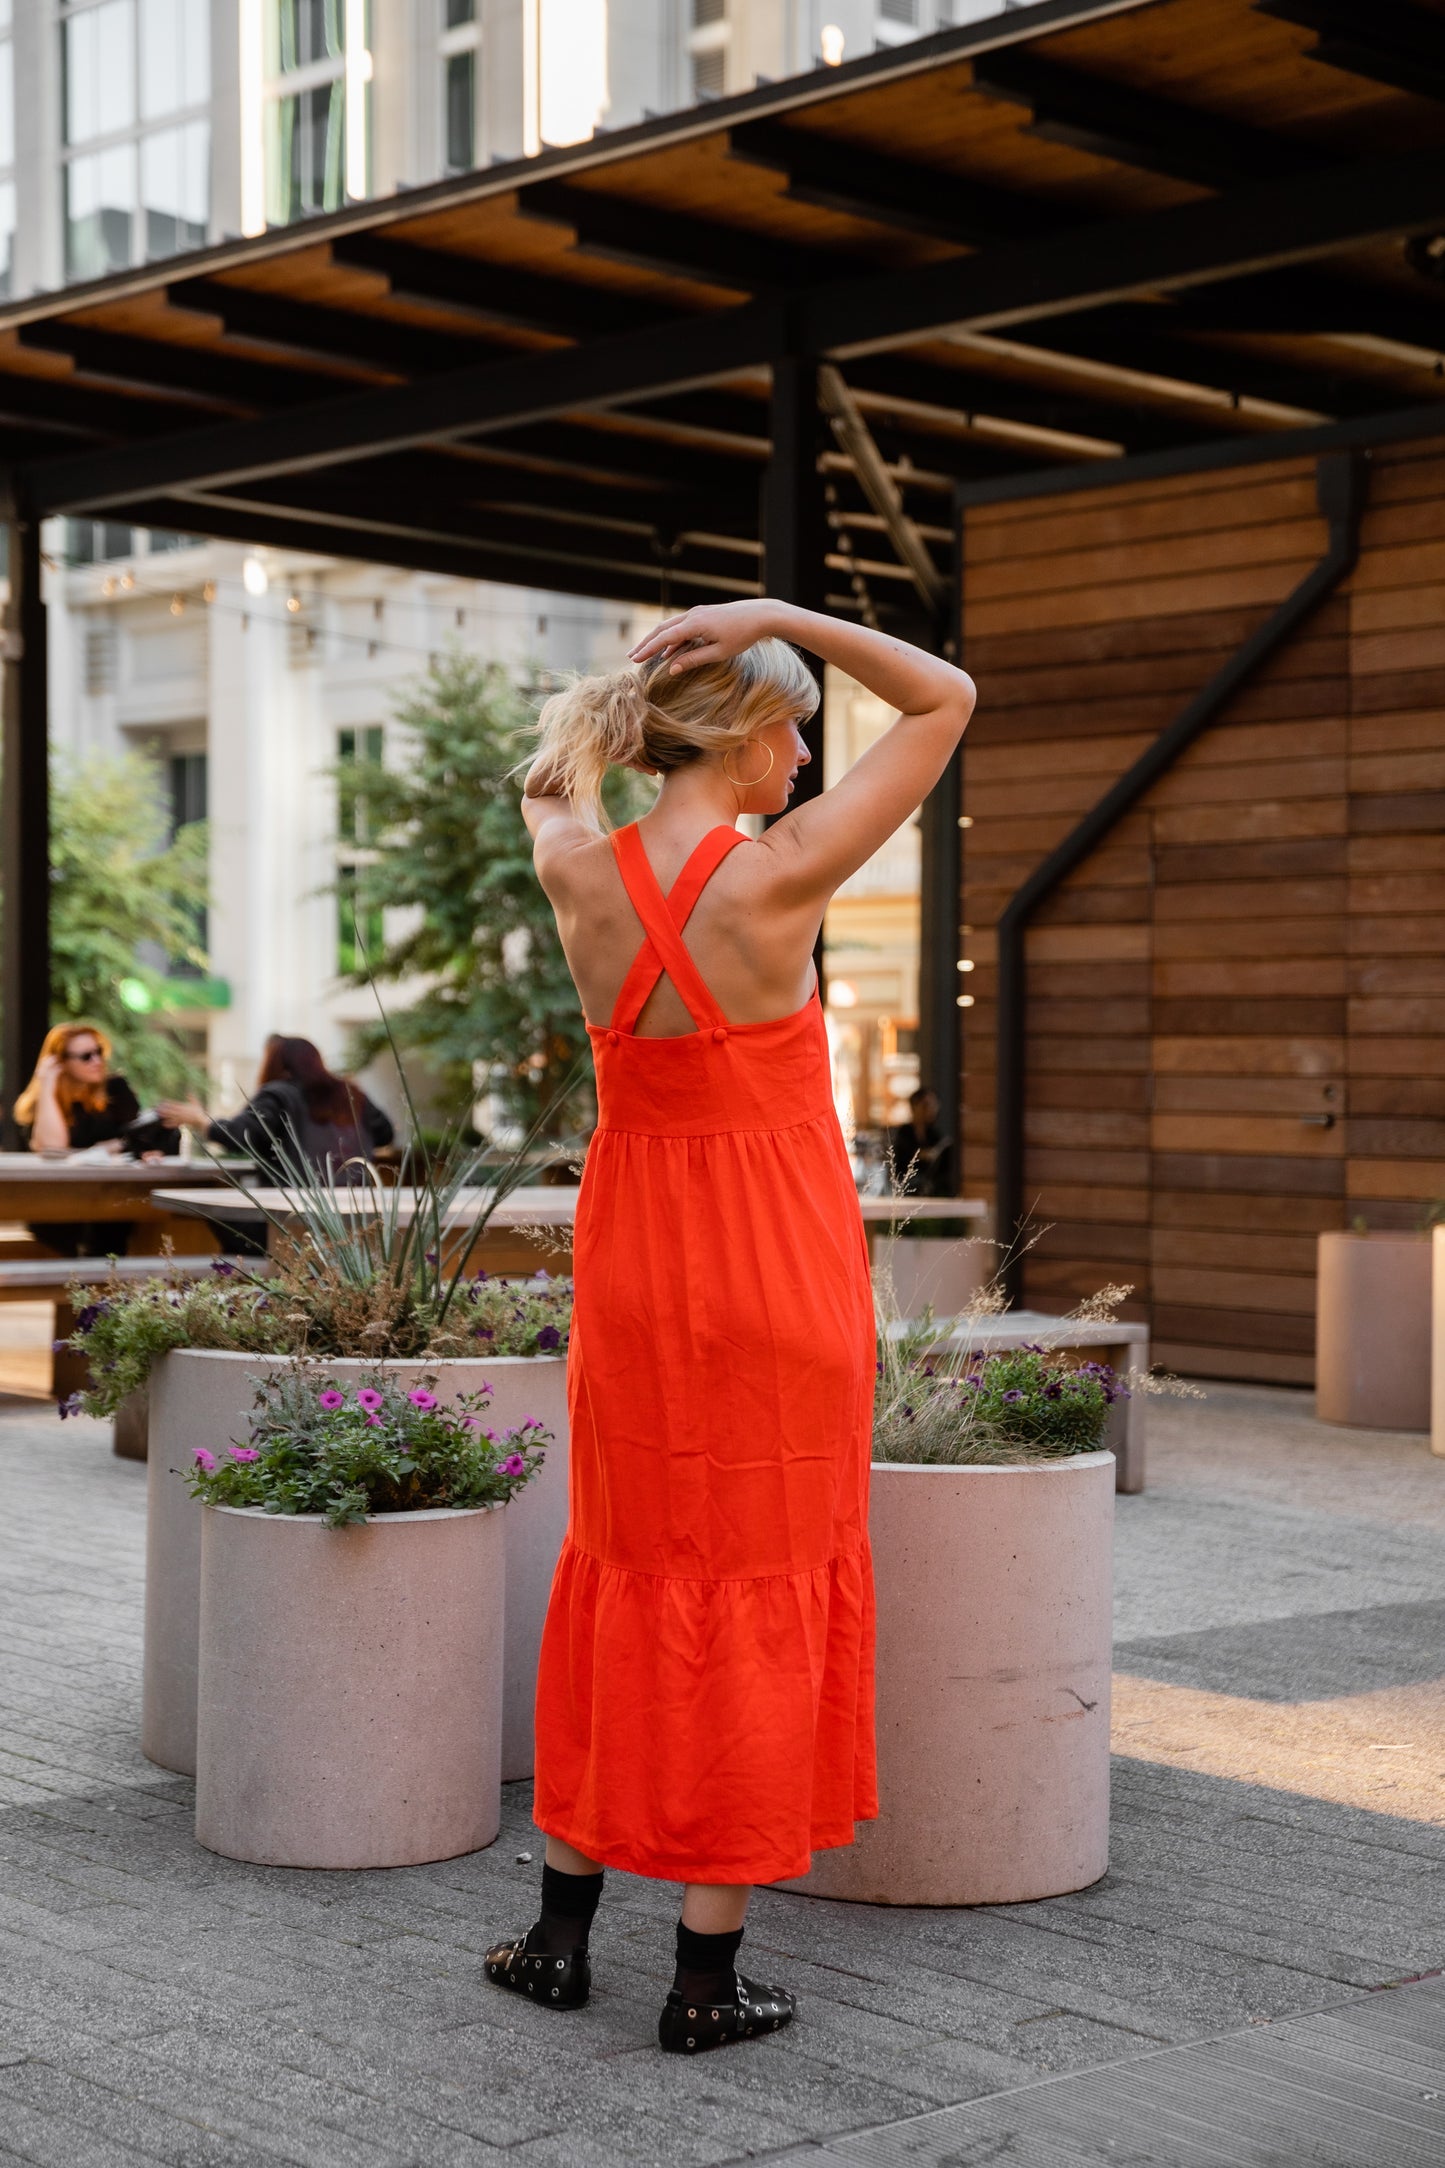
x=92, y=1053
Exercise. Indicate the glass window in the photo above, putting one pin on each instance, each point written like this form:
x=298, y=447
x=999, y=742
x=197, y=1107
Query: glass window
x=100, y=203
x=354, y=747
x=7, y=238
x=308, y=153
x=175, y=178
x=353, y=954
x=305, y=31
x=7, y=103
x=100, y=71
x=461, y=110
x=459, y=11
x=175, y=46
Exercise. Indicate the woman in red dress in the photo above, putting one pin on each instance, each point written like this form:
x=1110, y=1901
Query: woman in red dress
x=705, y=1692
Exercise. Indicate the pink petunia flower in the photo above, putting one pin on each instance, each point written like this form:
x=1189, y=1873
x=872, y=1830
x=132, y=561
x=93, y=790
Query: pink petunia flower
x=514, y=1465
x=373, y=1418
x=422, y=1399
x=368, y=1398
x=331, y=1398
x=203, y=1459
x=244, y=1452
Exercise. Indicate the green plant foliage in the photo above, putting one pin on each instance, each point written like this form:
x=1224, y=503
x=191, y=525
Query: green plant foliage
x=124, y=1327
x=119, y=886
x=347, y=1450
x=447, y=845
x=959, y=1408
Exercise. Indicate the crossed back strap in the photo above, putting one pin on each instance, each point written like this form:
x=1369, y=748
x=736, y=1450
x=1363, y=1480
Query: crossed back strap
x=663, y=918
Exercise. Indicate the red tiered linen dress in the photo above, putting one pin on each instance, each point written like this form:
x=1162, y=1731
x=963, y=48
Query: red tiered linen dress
x=705, y=1692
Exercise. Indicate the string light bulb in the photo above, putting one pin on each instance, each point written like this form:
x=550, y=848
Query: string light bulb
x=178, y=603
x=293, y=604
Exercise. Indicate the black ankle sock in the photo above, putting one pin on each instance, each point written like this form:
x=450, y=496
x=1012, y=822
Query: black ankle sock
x=569, y=1902
x=706, y=1964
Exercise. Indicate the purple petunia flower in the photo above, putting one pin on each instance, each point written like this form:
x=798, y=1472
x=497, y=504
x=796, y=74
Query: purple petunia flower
x=373, y=1418
x=1015, y=1394
x=483, y=1332
x=421, y=1398
x=331, y=1398
x=431, y=1256
x=244, y=1452
x=514, y=1465
x=222, y=1267
x=69, y=1407
x=549, y=1337
x=203, y=1459
x=88, y=1316
x=368, y=1398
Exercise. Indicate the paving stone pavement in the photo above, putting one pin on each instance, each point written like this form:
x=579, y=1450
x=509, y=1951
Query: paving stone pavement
x=159, y=2004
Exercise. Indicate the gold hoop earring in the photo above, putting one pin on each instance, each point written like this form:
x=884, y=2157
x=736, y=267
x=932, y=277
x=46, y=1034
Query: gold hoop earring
x=754, y=781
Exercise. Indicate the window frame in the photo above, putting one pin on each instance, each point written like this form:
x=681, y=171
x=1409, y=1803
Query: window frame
x=132, y=137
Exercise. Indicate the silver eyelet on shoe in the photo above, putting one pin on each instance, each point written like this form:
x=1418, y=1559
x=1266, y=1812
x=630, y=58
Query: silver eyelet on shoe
x=692, y=2013
x=692, y=2043
x=555, y=1993
x=560, y=1963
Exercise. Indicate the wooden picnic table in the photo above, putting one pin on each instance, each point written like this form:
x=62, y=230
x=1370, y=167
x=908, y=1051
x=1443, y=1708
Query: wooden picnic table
x=504, y=1247
x=79, y=1186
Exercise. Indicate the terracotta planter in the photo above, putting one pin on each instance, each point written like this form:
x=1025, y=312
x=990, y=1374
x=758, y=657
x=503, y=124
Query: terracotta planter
x=350, y=1687
x=994, y=1640
x=942, y=1276
x=203, y=1397
x=1372, y=1341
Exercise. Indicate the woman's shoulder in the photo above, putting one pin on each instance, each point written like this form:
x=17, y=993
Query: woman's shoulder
x=120, y=1099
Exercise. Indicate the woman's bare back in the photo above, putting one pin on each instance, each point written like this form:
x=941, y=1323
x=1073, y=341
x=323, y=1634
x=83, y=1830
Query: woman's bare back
x=751, y=942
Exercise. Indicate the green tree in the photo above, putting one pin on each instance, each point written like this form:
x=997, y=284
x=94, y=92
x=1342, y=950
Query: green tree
x=446, y=844
x=125, y=904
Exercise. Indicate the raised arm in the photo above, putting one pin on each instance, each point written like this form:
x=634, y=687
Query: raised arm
x=833, y=835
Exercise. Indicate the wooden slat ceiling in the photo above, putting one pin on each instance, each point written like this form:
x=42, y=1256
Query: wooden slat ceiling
x=1097, y=228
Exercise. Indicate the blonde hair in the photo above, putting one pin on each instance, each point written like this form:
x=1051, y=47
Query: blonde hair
x=648, y=717
x=68, y=1095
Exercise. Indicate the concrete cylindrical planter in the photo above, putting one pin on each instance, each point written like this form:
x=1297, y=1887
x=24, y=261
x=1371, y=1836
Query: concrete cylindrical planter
x=204, y=1397
x=130, y=1435
x=1372, y=1340
x=1437, y=1344
x=350, y=1687
x=994, y=1590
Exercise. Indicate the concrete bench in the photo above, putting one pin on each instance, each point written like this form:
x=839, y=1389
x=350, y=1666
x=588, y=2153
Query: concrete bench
x=1125, y=1347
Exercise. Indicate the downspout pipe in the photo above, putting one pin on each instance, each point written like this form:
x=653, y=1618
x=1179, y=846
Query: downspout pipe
x=1341, y=481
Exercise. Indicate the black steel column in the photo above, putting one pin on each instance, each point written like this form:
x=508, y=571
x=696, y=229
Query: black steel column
x=24, y=821
x=940, y=1042
x=795, y=522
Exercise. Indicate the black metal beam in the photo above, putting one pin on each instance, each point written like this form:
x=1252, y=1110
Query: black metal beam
x=1191, y=244
x=1135, y=128
x=24, y=822
x=69, y=409
x=1307, y=302
x=795, y=526
x=1387, y=41
x=619, y=579
x=1250, y=229
x=488, y=293
x=488, y=396
x=667, y=241
x=939, y=906
x=1342, y=481
x=1081, y=409
x=199, y=374
x=1145, y=339
x=892, y=192
x=293, y=326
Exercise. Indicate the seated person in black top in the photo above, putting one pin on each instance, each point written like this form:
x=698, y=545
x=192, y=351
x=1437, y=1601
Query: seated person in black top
x=70, y=1104
x=920, y=1157
x=314, y=1115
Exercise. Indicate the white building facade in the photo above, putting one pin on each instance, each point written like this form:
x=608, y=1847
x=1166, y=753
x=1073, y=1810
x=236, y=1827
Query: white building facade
x=132, y=130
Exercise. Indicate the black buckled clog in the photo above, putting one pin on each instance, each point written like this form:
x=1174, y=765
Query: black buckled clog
x=557, y=1983
x=687, y=2027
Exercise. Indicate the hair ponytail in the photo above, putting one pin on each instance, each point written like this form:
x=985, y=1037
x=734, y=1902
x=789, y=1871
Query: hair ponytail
x=649, y=718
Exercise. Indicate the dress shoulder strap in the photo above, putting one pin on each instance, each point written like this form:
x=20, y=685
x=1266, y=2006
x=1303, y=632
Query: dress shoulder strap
x=663, y=918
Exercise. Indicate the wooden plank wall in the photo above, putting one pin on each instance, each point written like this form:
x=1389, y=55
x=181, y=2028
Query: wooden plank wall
x=1237, y=1006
